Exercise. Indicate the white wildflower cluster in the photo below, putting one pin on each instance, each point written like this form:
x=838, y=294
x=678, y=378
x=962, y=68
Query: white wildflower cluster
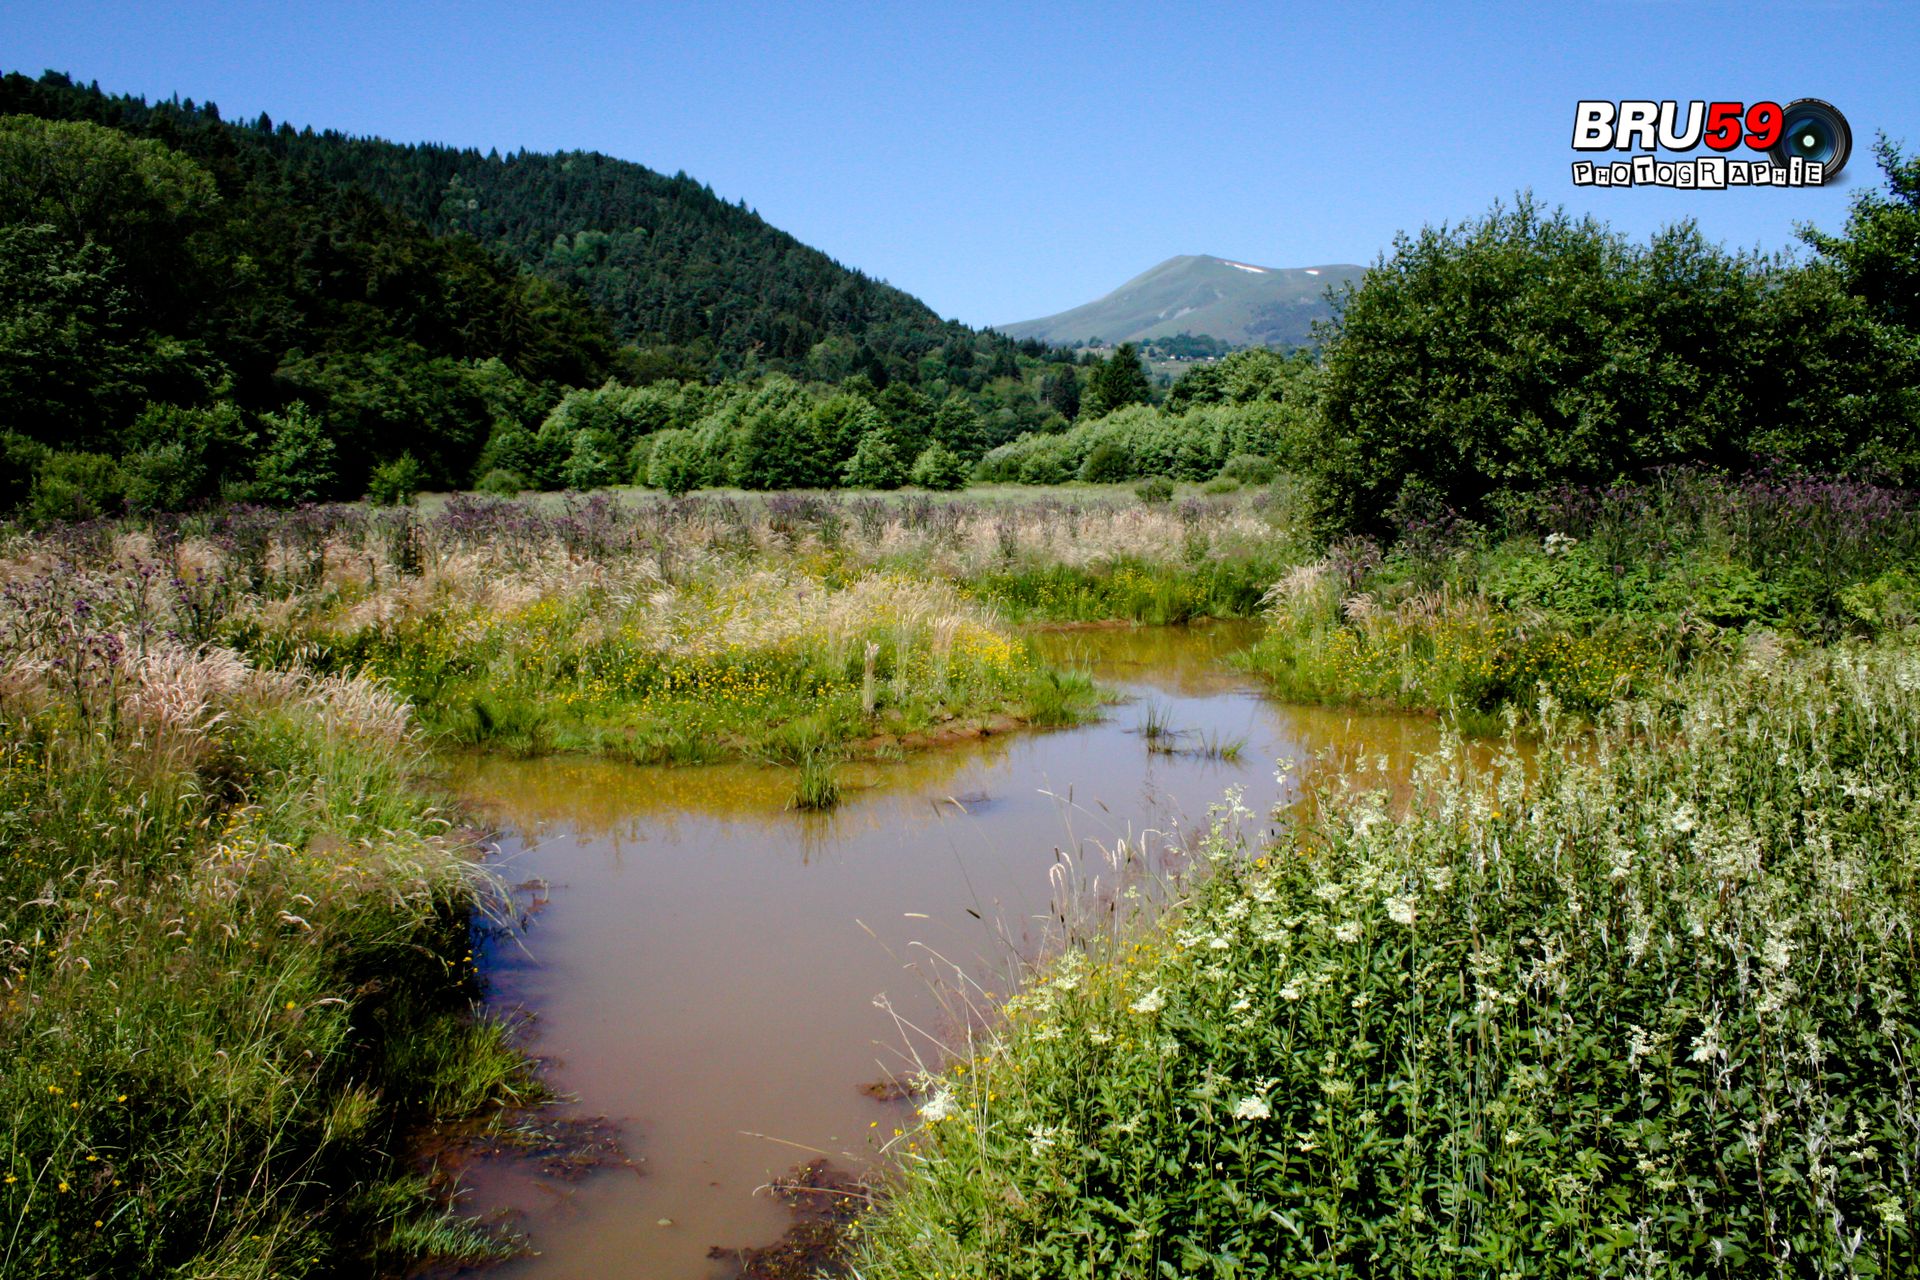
x=1706, y=1045
x=1252, y=1107
x=1072, y=969
x=1777, y=951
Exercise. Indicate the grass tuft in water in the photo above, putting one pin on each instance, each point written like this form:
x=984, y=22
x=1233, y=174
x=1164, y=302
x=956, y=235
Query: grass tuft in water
x=817, y=789
x=1156, y=726
x=1215, y=745
x=1054, y=697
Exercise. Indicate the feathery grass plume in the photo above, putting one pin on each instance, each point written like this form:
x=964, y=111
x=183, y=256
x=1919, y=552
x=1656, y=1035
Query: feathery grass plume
x=869, y=686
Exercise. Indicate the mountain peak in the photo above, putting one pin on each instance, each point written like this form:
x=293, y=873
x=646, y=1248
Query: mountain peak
x=1236, y=301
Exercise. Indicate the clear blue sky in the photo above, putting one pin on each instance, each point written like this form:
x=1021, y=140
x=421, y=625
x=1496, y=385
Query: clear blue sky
x=1005, y=161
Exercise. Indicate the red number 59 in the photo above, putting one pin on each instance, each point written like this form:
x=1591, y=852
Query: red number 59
x=1762, y=123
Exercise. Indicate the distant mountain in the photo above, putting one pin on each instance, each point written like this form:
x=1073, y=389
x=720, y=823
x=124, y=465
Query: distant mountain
x=1235, y=302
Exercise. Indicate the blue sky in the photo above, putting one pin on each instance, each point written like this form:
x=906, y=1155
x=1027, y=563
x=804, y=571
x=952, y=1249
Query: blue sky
x=1007, y=161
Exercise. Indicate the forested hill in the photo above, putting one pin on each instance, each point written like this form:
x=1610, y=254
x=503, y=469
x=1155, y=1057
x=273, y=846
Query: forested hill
x=701, y=285
x=174, y=298
x=665, y=257
x=195, y=309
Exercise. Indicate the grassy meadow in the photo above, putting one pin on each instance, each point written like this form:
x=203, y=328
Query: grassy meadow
x=693, y=629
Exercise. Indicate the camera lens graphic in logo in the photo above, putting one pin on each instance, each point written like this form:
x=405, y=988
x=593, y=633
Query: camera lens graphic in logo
x=1815, y=131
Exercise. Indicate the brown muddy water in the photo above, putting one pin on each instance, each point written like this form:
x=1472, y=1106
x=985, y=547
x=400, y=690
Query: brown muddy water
x=721, y=976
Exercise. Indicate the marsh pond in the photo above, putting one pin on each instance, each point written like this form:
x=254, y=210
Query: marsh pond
x=741, y=988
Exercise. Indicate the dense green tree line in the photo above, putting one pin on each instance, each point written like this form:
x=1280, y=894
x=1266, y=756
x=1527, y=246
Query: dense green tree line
x=1253, y=411
x=771, y=433
x=193, y=309
x=1531, y=349
x=171, y=317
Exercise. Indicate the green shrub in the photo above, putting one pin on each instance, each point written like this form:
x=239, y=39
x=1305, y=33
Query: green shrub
x=1890, y=602
x=1106, y=463
x=77, y=486
x=394, y=483
x=1531, y=349
x=939, y=468
x=179, y=453
x=20, y=460
x=591, y=462
x=164, y=477
x=1154, y=489
x=1219, y=485
x=875, y=464
x=1249, y=468
x=502, y=483
x=678, y=463
x=513, y=449
x=1563, y=577
x=640, y=460
x=297, y=464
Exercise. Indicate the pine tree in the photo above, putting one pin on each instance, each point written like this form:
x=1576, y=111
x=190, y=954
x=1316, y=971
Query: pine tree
x=1118, y=381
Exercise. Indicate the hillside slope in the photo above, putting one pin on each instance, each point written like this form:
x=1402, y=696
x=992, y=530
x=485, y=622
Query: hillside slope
x=709, y=284
x=1236, y=302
